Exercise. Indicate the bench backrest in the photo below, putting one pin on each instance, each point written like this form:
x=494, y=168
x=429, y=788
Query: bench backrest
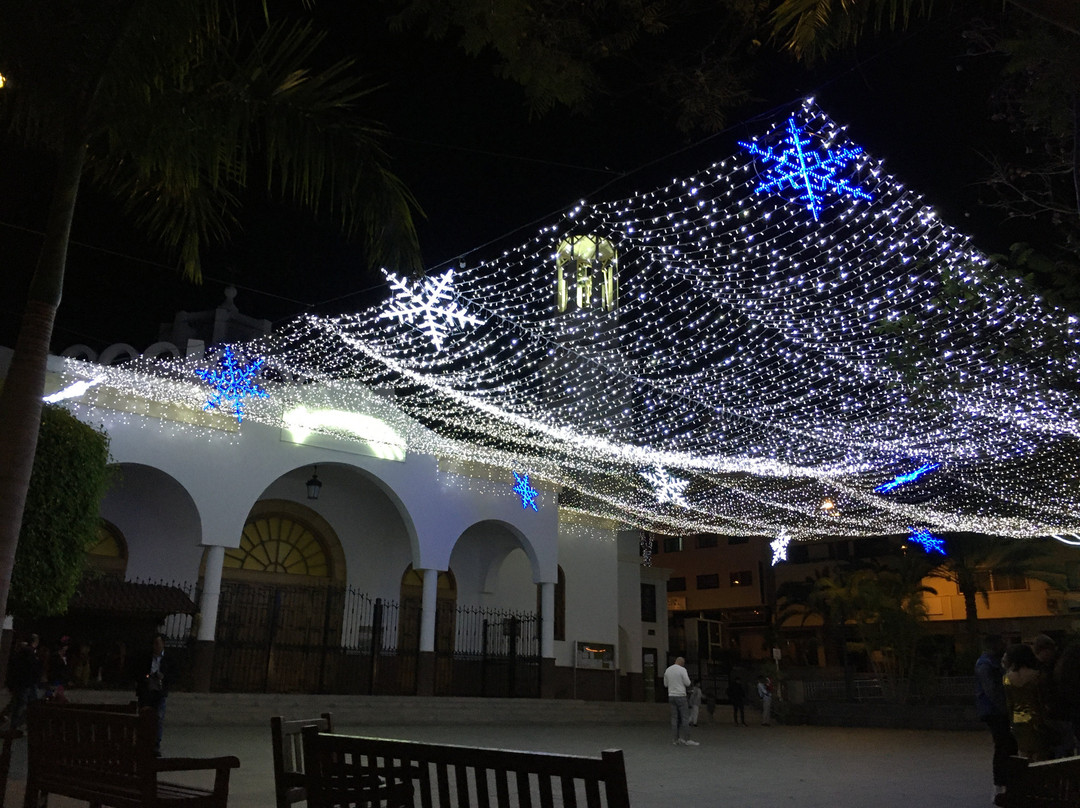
x=289, y=755
x=1046, y=784
x=350, y=770
x=111, y=746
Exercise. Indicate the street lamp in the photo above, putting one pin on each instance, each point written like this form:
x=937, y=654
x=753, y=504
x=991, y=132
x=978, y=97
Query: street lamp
x=314, y=485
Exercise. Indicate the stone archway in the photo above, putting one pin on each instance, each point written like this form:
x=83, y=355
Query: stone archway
x=282, y=601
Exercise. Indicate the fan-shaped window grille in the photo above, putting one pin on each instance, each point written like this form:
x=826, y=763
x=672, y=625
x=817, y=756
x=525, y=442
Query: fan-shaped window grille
x=106, y=545
x=276, y=543
x=109, y=552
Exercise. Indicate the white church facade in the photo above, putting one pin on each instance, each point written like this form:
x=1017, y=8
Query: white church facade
x=343, y=549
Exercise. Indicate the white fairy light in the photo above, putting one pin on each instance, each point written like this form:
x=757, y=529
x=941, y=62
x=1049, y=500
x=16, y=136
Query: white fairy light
x=767, y=360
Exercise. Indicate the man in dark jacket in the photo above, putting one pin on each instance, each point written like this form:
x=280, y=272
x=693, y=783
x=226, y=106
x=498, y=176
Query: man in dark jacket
x=152, y=689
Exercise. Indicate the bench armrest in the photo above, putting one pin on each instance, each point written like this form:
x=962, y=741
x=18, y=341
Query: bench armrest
x=191, y=764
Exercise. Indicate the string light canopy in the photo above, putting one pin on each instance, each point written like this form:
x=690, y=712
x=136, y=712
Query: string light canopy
x=782, y=338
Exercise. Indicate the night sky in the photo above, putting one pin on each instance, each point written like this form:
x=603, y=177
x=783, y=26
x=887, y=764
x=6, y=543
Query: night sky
x=488, y=176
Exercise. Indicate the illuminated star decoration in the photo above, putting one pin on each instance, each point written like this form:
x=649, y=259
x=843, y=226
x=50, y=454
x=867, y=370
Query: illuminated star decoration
x=812, y=173
x=524, y=490
x=779, y=546
x=667, y=488
x=232, y=383
x=903, y=479
x=432, y=308
x=929, y=542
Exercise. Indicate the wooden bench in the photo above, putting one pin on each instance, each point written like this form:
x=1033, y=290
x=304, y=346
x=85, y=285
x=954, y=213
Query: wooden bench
x=1046, y=784
x=106, y=757
x=289, y=785
x=345, y=770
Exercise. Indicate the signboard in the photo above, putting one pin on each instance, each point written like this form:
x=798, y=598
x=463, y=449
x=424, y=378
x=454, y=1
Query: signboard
x=676, y=603
x=595, y=655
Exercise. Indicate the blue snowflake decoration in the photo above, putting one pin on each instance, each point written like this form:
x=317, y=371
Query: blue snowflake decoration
x=811, y=172
x=904, y=479
x=524, y=490
x=232, y=383
x=930, y=543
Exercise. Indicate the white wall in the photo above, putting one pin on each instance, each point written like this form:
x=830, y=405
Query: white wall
x=588, y=556
x=159, y=520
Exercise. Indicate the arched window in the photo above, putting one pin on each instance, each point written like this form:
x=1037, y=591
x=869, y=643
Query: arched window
x=279, y=543
x=108, y=554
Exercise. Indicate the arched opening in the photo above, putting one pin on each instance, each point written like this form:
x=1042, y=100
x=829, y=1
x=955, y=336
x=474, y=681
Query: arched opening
x=108, y=555
x=282, y=601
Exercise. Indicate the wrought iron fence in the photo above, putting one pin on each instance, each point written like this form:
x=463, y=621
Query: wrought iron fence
x=317, y=638
x=940, y=690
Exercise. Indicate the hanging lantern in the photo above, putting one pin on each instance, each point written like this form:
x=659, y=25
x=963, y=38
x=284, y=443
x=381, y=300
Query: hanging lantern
x=594, y=260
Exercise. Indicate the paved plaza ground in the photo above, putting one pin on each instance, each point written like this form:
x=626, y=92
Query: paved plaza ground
x=735, y=767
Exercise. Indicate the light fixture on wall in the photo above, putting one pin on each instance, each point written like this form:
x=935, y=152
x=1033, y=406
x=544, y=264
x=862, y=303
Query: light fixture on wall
x=314, y=485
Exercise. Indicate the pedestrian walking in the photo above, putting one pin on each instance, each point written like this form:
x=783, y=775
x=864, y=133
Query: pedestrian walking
x=677, y=682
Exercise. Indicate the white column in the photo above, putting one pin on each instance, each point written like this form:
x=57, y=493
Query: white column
x=211, y=592
x=547, y=620
x=427, y=610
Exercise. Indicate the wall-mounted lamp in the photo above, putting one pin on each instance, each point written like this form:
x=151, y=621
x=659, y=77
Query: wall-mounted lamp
x=314, y=485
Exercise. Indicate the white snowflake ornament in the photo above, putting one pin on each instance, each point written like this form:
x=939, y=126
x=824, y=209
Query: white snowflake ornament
x=667, y=488
x=429, y=305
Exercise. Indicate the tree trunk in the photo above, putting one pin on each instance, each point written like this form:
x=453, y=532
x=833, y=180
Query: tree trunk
x=971, y=616
x=20, y=398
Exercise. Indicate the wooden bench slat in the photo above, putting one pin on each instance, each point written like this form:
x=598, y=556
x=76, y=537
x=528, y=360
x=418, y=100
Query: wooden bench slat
x=547, y=795
x=461, y=781
x=569, y=793
x=524, y=789
x=106, y=757
x=1045, y=784
x=288, y=748
x=345, y=769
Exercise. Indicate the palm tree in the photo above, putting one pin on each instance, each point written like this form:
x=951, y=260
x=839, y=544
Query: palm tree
x=168, y=106
x=971, y=556
x=830, y=596
x=813, y=29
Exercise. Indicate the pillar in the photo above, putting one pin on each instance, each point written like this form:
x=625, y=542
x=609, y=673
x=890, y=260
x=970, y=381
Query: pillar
x=203, y=663
x=547, y=640
x=425, y=663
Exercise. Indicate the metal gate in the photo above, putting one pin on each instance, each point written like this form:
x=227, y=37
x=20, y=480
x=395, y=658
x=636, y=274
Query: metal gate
x=334, y=639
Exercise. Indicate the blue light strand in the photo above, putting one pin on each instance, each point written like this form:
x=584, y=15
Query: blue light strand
x=904, y=479
x=524, y=490
x=812, y=173
x=232, y=383
x=930, y=543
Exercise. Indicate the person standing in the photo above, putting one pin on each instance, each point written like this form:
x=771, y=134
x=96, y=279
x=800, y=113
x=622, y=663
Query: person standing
x=694, y=700
x=152, y=690
x=677, y=682
x=1025, y=695
x=992, y=708
x=736, y=694
x=1058, y=715
x=765, y=694
x=24, y=673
